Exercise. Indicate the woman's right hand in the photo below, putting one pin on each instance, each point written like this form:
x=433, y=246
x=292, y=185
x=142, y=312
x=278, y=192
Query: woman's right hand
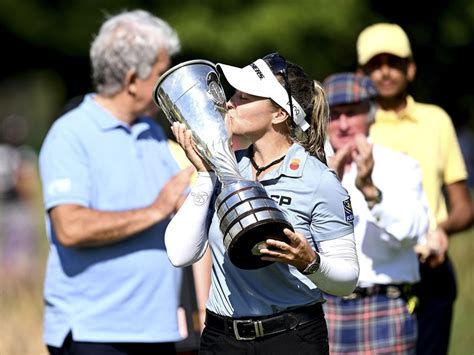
x=184, y=138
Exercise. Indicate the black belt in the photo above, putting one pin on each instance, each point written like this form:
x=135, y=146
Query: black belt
x=391, y=291
x=252, y=328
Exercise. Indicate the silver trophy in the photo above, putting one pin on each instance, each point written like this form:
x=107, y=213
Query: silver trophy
x=191, y=93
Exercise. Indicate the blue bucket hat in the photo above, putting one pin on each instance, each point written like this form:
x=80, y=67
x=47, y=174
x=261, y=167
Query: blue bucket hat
x=348, y=88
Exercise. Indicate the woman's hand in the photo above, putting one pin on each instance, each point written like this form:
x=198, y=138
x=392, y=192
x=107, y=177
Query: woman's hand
x=185, y=140
x=298, y=253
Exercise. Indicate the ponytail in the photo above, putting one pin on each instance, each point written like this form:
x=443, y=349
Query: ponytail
x=311, y=96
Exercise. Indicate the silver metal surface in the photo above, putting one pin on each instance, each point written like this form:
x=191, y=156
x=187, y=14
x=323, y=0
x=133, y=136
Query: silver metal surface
x=191, y=93
x=247, y=217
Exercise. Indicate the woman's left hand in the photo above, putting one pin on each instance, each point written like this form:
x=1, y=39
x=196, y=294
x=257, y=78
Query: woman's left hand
x=298, y=253
x=185, y=139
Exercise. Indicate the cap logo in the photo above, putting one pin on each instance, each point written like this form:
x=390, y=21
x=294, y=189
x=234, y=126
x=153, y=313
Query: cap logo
x=296, y=110
x=257, y=71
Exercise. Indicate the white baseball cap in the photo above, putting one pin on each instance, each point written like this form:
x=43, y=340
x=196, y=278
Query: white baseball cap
x=258, y=79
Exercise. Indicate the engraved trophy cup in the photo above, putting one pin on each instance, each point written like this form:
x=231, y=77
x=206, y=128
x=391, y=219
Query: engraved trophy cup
x=191, y=93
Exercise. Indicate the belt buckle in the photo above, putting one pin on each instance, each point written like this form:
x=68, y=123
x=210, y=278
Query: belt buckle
x=393, y=292
x=257, y=325
x=349, y=297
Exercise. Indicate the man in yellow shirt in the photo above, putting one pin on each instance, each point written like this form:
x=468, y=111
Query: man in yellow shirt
x=426, y=133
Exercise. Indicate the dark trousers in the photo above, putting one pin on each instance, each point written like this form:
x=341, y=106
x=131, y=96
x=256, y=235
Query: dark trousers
x=71, y=347
x=309, y=338
x=436, y=292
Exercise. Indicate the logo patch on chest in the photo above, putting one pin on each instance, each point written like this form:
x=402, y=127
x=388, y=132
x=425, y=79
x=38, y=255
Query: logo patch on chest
x=295, y=164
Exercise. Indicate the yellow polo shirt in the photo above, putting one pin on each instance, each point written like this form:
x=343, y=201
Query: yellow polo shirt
x=426, y=133
x=180, y=156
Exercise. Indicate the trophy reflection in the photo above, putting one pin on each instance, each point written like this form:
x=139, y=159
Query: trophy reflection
x=191, y=93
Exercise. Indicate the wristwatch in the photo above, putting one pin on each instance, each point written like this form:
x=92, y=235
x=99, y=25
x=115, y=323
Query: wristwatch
x=313, y=266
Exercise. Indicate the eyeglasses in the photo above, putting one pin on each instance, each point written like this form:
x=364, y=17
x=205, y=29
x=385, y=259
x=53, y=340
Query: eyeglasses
x=277, y=64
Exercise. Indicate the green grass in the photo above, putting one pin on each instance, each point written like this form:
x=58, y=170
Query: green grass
x=462, y=255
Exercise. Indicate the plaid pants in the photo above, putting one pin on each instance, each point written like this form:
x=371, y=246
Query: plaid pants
x=370, y=325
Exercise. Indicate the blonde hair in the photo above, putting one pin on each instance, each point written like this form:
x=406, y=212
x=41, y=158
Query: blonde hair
x=319, y=123
x=312, y=98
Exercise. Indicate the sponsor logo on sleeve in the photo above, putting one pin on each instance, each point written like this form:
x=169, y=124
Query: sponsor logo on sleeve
x=199, y=198
x=348, y=210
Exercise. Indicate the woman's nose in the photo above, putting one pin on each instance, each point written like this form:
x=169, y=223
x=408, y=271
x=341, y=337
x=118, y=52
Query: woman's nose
x=230, y=104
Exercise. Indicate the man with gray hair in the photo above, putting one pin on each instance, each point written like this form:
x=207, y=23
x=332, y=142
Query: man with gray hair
x=390, y=217
x=110, y=186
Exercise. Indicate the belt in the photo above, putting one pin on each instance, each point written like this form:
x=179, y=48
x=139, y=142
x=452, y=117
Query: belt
x=391, y=291
x=253, y=328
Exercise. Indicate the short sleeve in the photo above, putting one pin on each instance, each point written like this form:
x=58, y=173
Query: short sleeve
x=332, y=215
x=64, y=169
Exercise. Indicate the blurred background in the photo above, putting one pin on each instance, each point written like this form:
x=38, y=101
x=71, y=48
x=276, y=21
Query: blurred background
x=45, y=62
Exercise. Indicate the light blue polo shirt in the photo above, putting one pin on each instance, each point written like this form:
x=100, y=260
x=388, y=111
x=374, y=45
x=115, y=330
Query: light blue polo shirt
x=316, y=204
x=123, y=292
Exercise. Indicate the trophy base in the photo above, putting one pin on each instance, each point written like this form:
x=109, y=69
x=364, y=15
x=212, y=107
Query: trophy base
x=248, y=217
x=243, y=249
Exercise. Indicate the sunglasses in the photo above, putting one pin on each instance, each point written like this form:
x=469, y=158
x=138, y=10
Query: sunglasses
x=277, y=64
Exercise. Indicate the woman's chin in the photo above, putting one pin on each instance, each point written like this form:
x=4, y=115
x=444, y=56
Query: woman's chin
x=240, y=142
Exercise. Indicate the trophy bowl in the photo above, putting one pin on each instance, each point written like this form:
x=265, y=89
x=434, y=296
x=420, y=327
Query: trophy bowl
x=191, y=93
